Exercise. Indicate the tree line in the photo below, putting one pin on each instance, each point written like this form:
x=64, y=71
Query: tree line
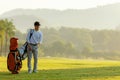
x=68, y=42
x=79, y=43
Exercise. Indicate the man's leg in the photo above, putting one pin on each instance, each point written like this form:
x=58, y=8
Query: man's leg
x=29, y=61
x=35, y=54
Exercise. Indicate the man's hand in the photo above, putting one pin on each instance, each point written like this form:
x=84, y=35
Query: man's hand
x=38, y=44
x=29, y=47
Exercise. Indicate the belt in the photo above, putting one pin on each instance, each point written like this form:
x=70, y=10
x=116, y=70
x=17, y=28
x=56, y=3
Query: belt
x=33, y=44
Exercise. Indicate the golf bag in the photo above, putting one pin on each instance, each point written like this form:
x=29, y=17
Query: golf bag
x=14, y=60
x=23, y=51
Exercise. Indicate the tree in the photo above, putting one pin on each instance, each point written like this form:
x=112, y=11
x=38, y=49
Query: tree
x=58, y=48
x=7, y=29
x=70, y=50
x=2, y=28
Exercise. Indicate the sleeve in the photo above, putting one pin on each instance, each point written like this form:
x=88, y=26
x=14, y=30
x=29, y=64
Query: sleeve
x=41, y=38
x=28, y=35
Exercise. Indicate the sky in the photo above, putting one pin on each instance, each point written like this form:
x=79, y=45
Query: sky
x=7, y=5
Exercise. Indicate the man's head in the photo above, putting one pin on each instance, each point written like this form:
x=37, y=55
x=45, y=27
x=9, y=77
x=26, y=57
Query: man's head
x=36, y=25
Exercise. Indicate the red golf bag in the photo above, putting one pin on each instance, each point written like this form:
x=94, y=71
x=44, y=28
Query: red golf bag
x=14, y=61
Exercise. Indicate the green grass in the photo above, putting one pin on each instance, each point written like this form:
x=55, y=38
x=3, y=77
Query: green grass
x=65, y=69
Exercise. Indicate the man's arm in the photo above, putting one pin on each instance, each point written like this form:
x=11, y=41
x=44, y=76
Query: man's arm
x=41, y=39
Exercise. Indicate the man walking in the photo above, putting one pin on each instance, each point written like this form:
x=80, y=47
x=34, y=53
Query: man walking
x=34, y=39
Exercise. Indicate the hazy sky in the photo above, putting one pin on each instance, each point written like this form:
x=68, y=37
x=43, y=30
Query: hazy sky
x=6, y=5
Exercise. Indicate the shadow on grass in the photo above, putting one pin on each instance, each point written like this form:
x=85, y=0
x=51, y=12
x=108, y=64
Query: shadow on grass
x=65, y=74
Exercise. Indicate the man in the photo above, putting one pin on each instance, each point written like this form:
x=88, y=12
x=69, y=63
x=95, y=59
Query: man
x=34, y=38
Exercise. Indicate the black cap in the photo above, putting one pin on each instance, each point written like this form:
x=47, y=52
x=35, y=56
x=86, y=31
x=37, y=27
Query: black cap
x=36, y=23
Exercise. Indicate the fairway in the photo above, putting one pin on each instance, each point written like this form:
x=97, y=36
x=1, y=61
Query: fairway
x=65, y=69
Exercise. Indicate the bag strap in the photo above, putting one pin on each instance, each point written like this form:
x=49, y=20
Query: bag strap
x=31, y=33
